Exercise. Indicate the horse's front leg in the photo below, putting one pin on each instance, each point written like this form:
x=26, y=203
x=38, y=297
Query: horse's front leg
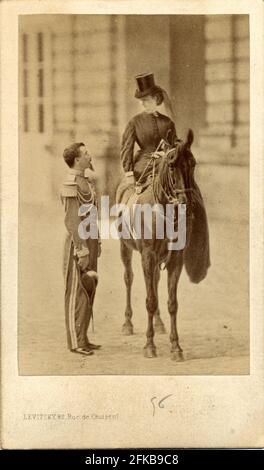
x=149, y=265
x=174, y=272
x=158, y=323
x=126, y=256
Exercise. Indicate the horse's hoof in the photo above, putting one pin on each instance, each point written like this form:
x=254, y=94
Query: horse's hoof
x=160, y=329
x=150, y=351
x=177, y=356
x=127, y=330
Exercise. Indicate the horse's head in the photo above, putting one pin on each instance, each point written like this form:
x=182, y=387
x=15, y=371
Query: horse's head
x=181, y=156
x=177, y=171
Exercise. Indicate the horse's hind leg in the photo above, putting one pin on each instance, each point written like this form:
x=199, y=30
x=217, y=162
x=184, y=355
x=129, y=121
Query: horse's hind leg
x=126, y=256
x=174, y=272
x=158, y=323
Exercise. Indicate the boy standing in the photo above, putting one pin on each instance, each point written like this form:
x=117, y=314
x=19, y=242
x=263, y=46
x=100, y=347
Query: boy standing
x=80, y=254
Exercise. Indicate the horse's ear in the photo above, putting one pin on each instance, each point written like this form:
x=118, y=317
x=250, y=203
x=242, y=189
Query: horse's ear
x=190, y=138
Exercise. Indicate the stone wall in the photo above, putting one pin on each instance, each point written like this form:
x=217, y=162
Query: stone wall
x=226, y=134
x=223, y=146
x=203, y=62
x=85, y=87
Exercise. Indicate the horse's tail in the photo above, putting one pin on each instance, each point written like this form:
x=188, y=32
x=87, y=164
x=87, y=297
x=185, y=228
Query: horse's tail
x=197, y=252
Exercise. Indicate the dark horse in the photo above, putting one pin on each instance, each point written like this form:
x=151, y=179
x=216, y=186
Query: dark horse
x=173, y=184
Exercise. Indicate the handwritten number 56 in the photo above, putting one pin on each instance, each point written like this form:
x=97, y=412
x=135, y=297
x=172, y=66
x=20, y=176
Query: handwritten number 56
x=160, y=403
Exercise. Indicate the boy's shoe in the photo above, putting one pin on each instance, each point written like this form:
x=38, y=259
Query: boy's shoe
x=84, y=351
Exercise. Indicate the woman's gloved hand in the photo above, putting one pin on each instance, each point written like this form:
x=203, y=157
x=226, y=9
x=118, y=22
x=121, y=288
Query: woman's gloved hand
x=159, y=154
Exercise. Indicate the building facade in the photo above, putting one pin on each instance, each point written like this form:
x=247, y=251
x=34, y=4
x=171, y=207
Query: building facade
x=77, y=84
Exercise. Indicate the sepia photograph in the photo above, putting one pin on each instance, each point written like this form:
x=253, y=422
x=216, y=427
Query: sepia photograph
x=99, y=94
x=132, y=224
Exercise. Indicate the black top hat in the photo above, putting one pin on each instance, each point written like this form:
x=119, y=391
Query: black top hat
x=146, y=85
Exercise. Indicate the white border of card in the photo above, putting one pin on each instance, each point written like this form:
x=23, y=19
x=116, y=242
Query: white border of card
x=208, y=411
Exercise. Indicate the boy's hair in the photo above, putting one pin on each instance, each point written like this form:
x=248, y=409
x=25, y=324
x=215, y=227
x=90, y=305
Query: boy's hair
x=71, y=152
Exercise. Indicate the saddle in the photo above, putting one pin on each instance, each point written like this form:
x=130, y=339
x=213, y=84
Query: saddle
x=141, y=187
x=125, y=190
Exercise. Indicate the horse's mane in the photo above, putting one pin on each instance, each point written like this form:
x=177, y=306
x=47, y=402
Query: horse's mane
x=162, y=175
x=161, y=182
x=186, y=164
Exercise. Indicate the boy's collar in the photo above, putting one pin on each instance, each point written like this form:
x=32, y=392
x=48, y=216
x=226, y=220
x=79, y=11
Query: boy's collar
x=75, y=172
x=84, y=173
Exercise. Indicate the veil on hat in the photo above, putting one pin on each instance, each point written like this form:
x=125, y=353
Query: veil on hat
x=168, y=104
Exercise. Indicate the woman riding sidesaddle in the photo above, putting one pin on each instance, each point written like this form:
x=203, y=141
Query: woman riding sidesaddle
x=148, y=129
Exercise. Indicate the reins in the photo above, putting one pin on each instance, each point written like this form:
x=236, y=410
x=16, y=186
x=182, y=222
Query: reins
x=171, y=198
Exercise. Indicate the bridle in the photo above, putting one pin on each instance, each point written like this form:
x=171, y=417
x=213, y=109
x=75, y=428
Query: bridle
x=171, y=198
x=157, y=184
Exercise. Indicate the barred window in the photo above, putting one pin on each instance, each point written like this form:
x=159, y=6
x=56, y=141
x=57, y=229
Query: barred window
x=40, y=47
x=40, y=83
x=34, y=75
x=25, y=47
x=41, y=118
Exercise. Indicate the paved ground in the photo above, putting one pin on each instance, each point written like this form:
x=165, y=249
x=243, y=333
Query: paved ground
x=213, y=316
